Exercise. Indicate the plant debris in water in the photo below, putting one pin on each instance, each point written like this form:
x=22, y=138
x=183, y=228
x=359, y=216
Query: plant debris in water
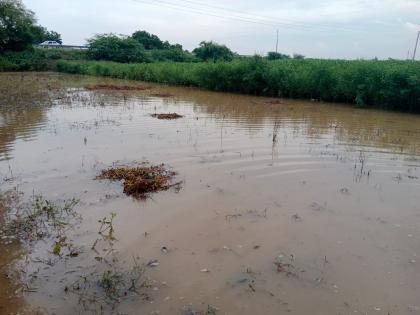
x=141, y=180
x=168, y=116
x=276, y=102
x=285, y=267
x=111, y=87
x=163, y=95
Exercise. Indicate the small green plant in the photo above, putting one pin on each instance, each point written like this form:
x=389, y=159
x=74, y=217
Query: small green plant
x=117, y=283
x=107, y=227
x=41, y=219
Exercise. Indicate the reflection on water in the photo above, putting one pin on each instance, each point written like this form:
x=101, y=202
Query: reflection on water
x=325, y=188
x=23, y=113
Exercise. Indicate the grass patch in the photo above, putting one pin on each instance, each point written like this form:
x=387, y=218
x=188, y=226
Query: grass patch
x=41, y=219
x=109, y=282
x=109, y=286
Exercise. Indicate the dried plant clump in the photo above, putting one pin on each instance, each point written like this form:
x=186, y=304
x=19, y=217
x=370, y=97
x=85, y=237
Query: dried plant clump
x=167, y=116
x=276, y=102
x=141, y=180
x=111, y=87
x=162, y=95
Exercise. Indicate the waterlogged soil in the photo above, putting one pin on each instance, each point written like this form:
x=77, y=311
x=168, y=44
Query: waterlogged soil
x=286, y=206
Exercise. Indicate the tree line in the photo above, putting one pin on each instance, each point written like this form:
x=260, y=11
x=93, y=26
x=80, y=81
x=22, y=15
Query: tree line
x=19, y=31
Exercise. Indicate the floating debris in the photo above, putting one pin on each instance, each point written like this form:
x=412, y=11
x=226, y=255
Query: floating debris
x=344, y=191
x=297, y=217
x=142, y=180
x=111, y=87
x=153, y=263
x=167, y=116
x=285, y=267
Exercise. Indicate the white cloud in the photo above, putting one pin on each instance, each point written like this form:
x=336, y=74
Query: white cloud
x=328, y=28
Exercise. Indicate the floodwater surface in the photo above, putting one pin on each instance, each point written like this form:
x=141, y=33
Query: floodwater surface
x=285, y=206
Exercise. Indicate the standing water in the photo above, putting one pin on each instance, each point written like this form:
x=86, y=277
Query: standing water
x=283, y=206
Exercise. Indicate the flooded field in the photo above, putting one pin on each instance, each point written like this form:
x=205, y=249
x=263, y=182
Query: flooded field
x=279, y=206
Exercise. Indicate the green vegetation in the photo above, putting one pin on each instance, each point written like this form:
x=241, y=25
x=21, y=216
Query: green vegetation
x=143, y=56
x=18, y=33
x=386, y=84
x=36, y=59
x=140, y=47
x=213, y=51
x=150, y=41
x=272, y=55
x=18, y=29
x=116, y=48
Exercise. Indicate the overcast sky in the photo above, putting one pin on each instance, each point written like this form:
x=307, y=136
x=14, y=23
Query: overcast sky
x=314, y=28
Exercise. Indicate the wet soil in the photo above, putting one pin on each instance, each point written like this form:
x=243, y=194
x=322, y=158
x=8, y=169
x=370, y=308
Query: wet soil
x=301, y=208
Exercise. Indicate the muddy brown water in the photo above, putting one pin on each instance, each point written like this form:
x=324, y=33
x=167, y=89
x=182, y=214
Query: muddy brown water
x=330, y=189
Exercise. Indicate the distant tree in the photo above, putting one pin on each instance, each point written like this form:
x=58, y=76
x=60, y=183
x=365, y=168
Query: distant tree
x=272, y=55
x=41, y=34
x=16, y=24
x=51, y=35
x=149, y=41
x=213, y=51
x=18, y=28
x=174, y=53
x=298, y=56
x=116, y=48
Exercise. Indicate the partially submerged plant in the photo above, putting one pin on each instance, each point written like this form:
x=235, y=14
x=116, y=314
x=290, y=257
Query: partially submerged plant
x=167, y=116
x=117, y=283
x=107, y=228
x=108, y=282
x=141, y=180
x=107, y=287
x=43, y=218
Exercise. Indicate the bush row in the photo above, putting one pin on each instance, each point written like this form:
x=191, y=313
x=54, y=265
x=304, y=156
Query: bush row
x=390, y=84
x=35, y=59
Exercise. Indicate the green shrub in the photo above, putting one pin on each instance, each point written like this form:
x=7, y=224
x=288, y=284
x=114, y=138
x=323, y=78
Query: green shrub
x=111, y=47
x=387, y=84
x=28, y=60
